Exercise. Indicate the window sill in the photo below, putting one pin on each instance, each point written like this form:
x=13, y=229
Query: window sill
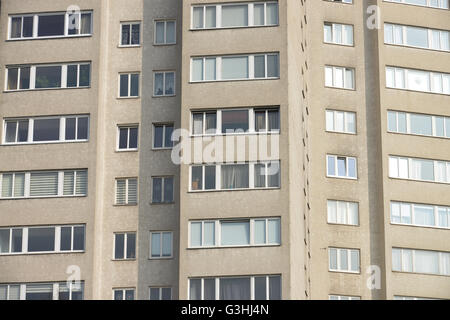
x=414, y=47
x=164, y=96
x=340, y=88
x=235, y=134
x=123, y=260
x=335, y=224
x=161, y=203
x=339, y=44
x=125, y=205
x=231, y=190
x=399, y=224
x=236, y=247
x=43, y=143
x=420, y=273
x=343, y=178
x=164, y=44
x=418, y=135
x=43, y=197
x=418, y=91
x=344, y=133
x=44, y=89
x=235, y=80
x=346, y=272
x=127, y=151
x=120, y=46
x=162, y=149
x=128, y=98
x=41, y=253
x=51, y=38
x=233, y=28
x=415, y=180
x=161, y=258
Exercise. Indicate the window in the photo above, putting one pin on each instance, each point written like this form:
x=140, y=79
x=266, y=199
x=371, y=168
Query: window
x=45, y=130
x=344, y=260
x=419, y=169
x=440, y=4
x=162, y=136
x=264, y=175
x=57, y=76
x=417, y=80
x=419, y=124
x=165, y=32
x=340, y=77
x=129, y=85
x=341, y=167
x=236, y=288
x=421, y=261
x=128, y=138
x=126, y=191
x=130, y=34
x=343, y=212
x=36, y=184
x=123, y=294
x=341, y=121
x=225, y=233
x=164, y=83
x=235, y=15
x=125, y=246
x=50, y=25
x=412, y=298
x=161, y=245
x=235, y=67
x=162, y=190
x=160, y=293
x=266, y=120
x=42, y=291
x=420, y=215
x=48, y=239
x=417, y=37
x=340, y=297
x=338, y=33
x=341, y=1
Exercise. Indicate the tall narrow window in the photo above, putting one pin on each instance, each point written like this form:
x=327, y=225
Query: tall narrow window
x=130, y=34
x=162, y=136
x=124, y=246
x=129, y=85
x=128, y=138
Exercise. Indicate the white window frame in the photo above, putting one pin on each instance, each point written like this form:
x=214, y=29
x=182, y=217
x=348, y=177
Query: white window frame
x=442, y=4
x=160, y=289
x=345, y=115
x=413, y=261
x=394, y=166
x=345, y=85
x=342, y=297
x=129, y=74
x=409, y=125
x=349, y=260
x=164, y=127
x=164, y=83
x=130, y=23
x=123, y=290
x=161, y=257
x=165, y=21
x=347, y=158
x=163, y=196
x=344, y=40
x=412, y=207
x=128, y=127
x=396, y=71
x=347, y=213
x=125, y=243
x=127, y=195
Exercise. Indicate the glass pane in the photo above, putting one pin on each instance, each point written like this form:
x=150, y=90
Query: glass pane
x=169, y=83
x=350, y=122
x=119, y=247
x=7, y=185
x=4, y=240
x=444, y=217
x=426, y=262
x=342, y=167
x=352, y=167
x=210, y=69
x=27, y=31
x=135, y=34
x=24, y=82
x=331, y=169
x=333, y=259
x=13, y=76
x=424, y=215
x=272, y=13
x=158, y=140
x=85, y=75
x=209, y=288
x=396, y=260
x=260, y=175
x=353, y=215
x=168, y=143
x=22, y=134
x=123, y=138
x=156, y=245
x=338, y=79
x=209, y=233
x=274, y=228
x=72, y=76
x=78, y=238
x=348, y=32
x=124, y=85
x=332, y=211
x=235, y=176
x=134, y=90
x=196, y=234
x=211, y=123
x=166, y=294
x=235, y=121
x=48, y=77
x=129, y=294
x=421, y=124
x=197, y=18
x=46, y=130
x=392, y=121
x=16, y=242
x=39, y=292
x=14, y=292
x=168, y=189
x=167, y=244
x=260, y=121
x=235, y=289
x=66, y=239
x=210, y=177
x=258, y=14
x=118, y=295
x=41, y=239
x=260, y=67
x=349, y=81
x=197, y=126
x=405, y=213
x=126, y=30
x=422, y=169
x=327, y=33
x=235, y=233
x=235, y=15
x=195, y=289
x=417, y=37
x=157, y=190
x=272, y=66
x=71, y=128
x=439, y=126
x=133, y=138
x=275, y=288
x=170, y=32
x=354, y=258
x=210, y=17
x=418, y=80
x=337, y=28
x=260, y=288
x=83, y=127
x=16, y=27
x=86, y=23
x=197, y=180
x=273, y=174
x=43, y=184
x=154, y=294
x=260, y=232
x=131, y=246
x=343, y=254
x=11, y=128
x=234, y=68
x=339, y=121
x=197, y=69
x=120, y=191
x=51, y=25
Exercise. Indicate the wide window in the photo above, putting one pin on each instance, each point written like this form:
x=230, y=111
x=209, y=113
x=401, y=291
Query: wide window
x=338, y=33
x=162, y=136
x=162, y=190
x=341, y=167
x=51, y=239
x=237, y=15
x=123, y=294
x=419, y=169
x=340, y=77
x=236, y=288
x=341, y=121
x=130, y=34
x=57, y=76
x=42, y=291
x=420, y=214
x=344, y=260
x=160, y=293
x=340, y=297
x=440, y=4
x=343, y=212
x=124, y=246
x=239, y=67
x=126, y=191
x=50, y=25
x=127, y=138
x=165, y=32
x=419, y=124
x=129, y=85
x=161, y=245
x=417, y=80
x=224, y=233
x=421, y=261
x=164, y=83
x=417, y=37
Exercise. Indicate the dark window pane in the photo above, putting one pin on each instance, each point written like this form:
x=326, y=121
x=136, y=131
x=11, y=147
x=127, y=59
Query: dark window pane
x=83, y=127
x=131, y=246
x=274, y=120
x=195, y=289
x=197, y=180
x=210, y=177
x=125, y=34
x=118, y=295
x=235, y=289
x=168, y=141
x=169, y=83
x=211, y=123
x=51, y=25
x=135, y=34
x=260, y=288
x=13, y=74
x=260, y=66
x=4, y=240
x=66, y=238
x=41, y=239
x=22, y=135
x=119, y=246
x=85, y=75
x=48, y=77
x=154, y=293
x=209, y=289
x=78, y=295
x=272, y=66
x=27, y=31
x=133, y=138
x=157, y=190
x=16, y=243
x=72, y=76
x=78, y=238
x=16, y=27
x=39, y=292
x=168, y=189
x=275, y=288
x=123, y=138
x=70, y=128
x=129, y=294
x=134, y=85
x=124, y=85
x=166, y=294
x=236, y=120
x=46, y=130
x=158, y=136
x=24, y=78
x=11, y=128
x=86, y=23
x=74, y=24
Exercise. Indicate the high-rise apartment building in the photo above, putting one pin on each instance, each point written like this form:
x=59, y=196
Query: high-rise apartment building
x=315, y=149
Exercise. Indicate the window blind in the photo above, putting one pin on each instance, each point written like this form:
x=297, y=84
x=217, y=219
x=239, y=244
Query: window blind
x=44, y=184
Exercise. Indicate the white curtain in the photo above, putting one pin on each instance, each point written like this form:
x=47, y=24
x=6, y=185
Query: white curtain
x=235, y=289
x=426, y=262
x=235, y=15
x=235, y=176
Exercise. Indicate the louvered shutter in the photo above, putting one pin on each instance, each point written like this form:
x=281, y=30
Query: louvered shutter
x=132, y=191
x=44, y=184
x=121, y=191
x=69, y=180
x=81, y=185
